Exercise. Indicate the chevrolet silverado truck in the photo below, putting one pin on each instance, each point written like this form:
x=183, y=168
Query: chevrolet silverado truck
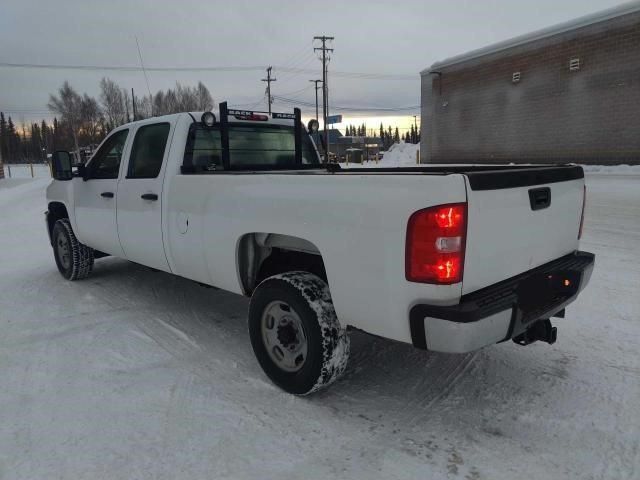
x=449, y=258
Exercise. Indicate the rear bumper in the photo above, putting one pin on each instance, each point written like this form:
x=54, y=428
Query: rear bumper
x=504, y=310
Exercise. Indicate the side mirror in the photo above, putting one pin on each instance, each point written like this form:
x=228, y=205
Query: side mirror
x=61, y=165
x=83, y=172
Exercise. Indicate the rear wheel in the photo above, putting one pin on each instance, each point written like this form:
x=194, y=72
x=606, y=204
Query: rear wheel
x=74, y=260
x=295, y=333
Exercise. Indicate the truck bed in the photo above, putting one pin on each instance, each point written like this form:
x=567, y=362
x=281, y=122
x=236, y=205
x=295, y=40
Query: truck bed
x=481, y=177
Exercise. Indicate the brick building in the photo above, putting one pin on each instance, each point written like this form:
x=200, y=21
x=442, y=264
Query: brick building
x=569, y=93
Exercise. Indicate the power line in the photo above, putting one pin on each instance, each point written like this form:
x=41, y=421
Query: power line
x=348, y=108
x=127, y=68
x=219, y=69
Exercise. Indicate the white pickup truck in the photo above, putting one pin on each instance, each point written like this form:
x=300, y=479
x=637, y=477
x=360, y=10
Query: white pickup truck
x=450, y=258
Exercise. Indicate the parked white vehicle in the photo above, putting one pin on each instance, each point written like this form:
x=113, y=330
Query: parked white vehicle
x=448, y=258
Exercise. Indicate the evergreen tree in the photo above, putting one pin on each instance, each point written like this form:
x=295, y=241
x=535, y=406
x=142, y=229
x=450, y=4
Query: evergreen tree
x=3, y=138
x=396, y=137
x=381, y=132
x=13, y=143
x=46, y=137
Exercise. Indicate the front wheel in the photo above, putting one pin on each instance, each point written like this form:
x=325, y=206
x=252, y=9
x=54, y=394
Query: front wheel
x=74, y=260
x=295, y=333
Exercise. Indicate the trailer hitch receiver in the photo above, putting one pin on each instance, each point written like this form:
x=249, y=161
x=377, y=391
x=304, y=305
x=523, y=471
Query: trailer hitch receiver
x=541, y=330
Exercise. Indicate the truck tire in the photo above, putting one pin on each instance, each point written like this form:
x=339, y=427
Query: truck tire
x=295, y=333
x=74, y=260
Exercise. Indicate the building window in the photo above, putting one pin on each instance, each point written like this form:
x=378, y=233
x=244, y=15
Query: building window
x=574, y=64
x=515, y=78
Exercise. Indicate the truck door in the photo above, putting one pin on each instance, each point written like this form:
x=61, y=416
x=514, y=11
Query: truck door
x=139, y=200
x=95, y=197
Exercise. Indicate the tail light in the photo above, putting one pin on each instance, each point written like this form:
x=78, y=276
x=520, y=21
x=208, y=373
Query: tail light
x=435, y=246
x=584, y=202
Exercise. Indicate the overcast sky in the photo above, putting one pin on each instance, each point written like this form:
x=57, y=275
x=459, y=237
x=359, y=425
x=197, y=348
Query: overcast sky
x=377, y=37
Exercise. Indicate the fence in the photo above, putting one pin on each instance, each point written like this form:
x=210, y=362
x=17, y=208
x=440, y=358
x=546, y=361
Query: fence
x=27, y=170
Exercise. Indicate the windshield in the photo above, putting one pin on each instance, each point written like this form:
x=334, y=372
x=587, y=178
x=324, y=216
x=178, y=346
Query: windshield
x=249, y=146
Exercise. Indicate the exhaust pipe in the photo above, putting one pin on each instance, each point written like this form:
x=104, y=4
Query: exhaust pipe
x=541, y=330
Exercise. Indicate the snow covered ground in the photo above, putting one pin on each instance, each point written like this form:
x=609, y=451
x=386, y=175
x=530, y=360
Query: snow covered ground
x=137, y=374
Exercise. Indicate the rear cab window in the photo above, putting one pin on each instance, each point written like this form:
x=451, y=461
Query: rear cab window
x=250, y=146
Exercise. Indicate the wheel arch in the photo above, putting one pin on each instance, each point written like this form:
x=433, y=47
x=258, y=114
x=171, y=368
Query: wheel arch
x=55, y=211
x=260, y=255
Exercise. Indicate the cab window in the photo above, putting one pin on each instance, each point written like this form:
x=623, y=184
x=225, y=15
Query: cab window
x=106, y=161
x=249, y=146
x=252, y=145
x=204, y=149
x=148, y=149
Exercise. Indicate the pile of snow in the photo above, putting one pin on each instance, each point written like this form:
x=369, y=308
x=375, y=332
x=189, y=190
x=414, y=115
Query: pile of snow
x=399, y=155
x=612, y=169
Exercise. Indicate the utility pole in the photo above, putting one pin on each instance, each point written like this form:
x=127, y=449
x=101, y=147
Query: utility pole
x=325, y=87
x=133, y=102
x=269, y=80
x=316, y=82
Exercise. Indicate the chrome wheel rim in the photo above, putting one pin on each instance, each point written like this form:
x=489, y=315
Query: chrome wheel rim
x=62, y=246
x=283, y=336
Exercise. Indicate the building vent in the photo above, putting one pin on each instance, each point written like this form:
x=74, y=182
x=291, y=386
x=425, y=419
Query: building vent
x=515, y=78
x=574, y=64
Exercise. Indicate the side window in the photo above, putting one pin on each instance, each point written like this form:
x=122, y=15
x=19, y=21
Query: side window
x=204, y=149
x=147, y=152
x=106, y=162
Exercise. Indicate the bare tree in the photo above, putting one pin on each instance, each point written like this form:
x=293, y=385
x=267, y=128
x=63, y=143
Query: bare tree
x=113, y=103
x=68, y=104
x=182, y=99
x=186, y=99
x=143, y=107
x=204, y=99
x=90, y=117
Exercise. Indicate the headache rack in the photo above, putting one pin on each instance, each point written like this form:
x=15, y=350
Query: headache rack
x=227, y=116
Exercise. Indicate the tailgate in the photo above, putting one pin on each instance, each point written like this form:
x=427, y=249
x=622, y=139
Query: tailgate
x=518, y=220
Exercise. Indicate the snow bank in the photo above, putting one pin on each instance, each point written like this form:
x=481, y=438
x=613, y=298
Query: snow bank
x=404, y=155
x=399, y=155
x=612, y=169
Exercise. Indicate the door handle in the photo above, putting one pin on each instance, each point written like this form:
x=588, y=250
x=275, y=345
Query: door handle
x=107, y=194
x=149, y=196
